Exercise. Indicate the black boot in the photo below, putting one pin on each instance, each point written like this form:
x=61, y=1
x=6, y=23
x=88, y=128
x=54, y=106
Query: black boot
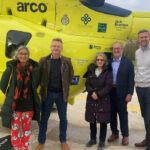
x=91, y=143
x=101, y=145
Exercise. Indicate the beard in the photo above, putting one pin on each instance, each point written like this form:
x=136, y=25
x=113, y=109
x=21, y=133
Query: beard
x=144, y=44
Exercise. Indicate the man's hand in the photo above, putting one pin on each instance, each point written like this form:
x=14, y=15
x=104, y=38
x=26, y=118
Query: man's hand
x=128, y=98
x=136, y=84
x=94, y=96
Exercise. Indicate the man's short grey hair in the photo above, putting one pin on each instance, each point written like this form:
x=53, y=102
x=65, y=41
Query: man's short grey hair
x=117, y=42
x=143, y=31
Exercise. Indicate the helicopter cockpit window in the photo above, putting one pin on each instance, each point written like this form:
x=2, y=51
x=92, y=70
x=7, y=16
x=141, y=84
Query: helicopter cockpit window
x=14, y=39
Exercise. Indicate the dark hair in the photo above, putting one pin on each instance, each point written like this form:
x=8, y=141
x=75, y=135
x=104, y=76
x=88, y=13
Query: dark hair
x=57, y=39
x=142, y=31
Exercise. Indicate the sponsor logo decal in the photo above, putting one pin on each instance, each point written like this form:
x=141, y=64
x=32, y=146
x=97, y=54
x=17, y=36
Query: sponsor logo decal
x=65, y=19
x=102, y=27
x=81, y=62
x=86, y=19
x=94, y=47
x=32, y=6
x=120, y=25
x=75, y=80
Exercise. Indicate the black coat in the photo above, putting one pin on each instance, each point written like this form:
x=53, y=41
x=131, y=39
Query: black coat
x=102, y=85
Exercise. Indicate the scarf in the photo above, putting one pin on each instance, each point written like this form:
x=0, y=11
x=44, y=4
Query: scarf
x=22, y=86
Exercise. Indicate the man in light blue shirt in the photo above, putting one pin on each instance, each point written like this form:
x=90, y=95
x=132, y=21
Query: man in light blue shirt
x=121, y=94
x=115, y=66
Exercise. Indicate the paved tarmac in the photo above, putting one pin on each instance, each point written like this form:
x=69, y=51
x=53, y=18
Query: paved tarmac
x=78, y=129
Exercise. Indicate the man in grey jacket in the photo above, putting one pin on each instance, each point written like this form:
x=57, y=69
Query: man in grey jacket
x=142, y=82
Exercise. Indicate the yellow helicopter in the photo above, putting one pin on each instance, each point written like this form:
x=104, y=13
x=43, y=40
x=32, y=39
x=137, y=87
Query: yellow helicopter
x=86, y=27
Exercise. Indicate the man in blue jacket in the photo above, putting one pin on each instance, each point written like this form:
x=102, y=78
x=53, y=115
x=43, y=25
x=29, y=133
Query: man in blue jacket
x=121, y=94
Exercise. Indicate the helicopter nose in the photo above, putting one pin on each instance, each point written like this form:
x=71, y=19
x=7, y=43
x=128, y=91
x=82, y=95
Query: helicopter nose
x=94, y=2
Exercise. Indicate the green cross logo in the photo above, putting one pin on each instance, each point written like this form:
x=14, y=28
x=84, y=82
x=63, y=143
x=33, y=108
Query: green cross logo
x=86, y=19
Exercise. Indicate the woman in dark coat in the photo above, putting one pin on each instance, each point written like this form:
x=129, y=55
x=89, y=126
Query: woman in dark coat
x=19, y=83
x=98, y=85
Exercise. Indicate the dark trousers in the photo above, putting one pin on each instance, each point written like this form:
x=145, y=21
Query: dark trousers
x=46, y=110
x=103, y=131
x=119, y=106
x=144, y=100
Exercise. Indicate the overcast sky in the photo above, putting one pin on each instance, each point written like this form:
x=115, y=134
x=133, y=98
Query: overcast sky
x=134, y=5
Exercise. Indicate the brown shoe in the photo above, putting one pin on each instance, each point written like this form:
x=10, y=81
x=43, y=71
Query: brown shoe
x=141, y=144
x=64, y=146
x=39, y=147
x=125, y=140
x=113, y=137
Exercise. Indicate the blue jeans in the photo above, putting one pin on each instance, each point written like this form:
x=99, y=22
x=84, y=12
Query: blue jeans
x=144, y=100
x=46, y=110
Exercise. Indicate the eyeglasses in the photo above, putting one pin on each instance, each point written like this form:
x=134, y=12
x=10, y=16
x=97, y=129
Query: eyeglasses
x=56, y=46
x=116, y=48
x=23, y=54
x=99, y=59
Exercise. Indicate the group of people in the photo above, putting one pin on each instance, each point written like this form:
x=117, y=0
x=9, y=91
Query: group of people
x=110, y=85
x=19, y=83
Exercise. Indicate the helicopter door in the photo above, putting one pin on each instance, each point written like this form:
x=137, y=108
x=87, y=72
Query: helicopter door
x=14, y=39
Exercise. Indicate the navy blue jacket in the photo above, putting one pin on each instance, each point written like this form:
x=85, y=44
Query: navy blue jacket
x=125, y=78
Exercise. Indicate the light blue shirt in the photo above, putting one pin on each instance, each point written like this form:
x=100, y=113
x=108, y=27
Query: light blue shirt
x=115, y=66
